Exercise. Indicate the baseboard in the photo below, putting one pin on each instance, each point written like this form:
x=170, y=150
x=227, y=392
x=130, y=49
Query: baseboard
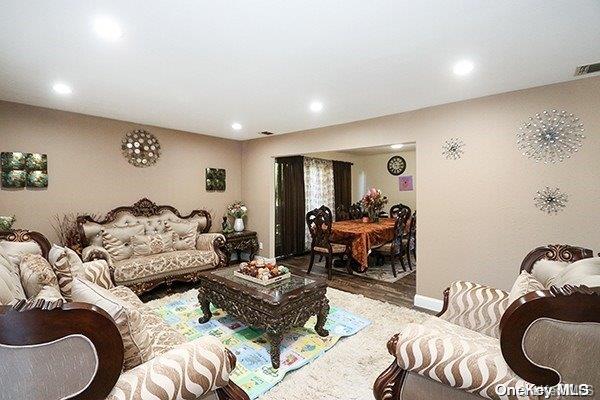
x=428, y=303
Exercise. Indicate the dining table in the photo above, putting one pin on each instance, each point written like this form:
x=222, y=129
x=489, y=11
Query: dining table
x=362, y=237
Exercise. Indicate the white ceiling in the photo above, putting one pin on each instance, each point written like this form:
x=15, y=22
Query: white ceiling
x=369, y=151
x=202, y=65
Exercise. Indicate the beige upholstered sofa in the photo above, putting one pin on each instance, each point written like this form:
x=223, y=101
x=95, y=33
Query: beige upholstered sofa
x=52, y=349
x=485, y=344
x=144, y=272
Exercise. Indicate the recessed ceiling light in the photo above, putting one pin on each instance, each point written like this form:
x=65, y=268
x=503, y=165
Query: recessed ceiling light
x=397, y=146
x=62, y=88
x=236, y=126
x=463, y=67
x=316, y=106
x=107, y=28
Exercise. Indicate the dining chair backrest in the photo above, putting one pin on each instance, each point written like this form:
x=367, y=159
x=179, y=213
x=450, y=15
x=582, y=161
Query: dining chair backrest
x=395, y=209
x=356, y=211
x=399, y=228
x=319, y=223
x=341, y=213
x=327, y=211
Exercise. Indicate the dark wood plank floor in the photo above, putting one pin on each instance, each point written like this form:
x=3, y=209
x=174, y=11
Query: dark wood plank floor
x=399, y=293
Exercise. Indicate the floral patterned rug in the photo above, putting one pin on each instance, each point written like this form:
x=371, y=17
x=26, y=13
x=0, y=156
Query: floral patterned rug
x=253, y=372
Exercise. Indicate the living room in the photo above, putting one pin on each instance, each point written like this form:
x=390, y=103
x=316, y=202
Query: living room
x=149, y=151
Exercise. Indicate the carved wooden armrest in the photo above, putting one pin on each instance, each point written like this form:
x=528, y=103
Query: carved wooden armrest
x=216, y=243
x=30, y=325
x=572, y=305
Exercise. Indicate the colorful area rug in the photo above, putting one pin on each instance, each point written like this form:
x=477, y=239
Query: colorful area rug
x=253, y=371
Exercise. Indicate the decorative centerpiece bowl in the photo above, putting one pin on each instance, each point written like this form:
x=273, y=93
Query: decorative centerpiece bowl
x=262, y=273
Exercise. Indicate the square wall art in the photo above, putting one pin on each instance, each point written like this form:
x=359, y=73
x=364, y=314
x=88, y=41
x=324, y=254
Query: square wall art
x=215, y=179
x=406, y=183
x=19, y=170
x=13, y=160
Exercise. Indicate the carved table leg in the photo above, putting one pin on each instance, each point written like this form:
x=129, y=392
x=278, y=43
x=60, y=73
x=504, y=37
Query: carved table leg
x=205, y=306
x=322, y=318
x=275, y=342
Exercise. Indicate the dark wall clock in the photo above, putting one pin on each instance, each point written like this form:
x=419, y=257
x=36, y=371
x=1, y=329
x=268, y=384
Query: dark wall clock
x=396, y=165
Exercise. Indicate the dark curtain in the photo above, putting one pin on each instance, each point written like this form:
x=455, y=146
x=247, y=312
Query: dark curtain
x=289, y=206
x=342, y=183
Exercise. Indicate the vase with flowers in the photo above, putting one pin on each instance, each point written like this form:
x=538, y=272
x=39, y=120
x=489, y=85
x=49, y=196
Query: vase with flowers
x=238, y=210
x=373, y=202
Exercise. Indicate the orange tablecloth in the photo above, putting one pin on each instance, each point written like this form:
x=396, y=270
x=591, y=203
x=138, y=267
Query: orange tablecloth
x=362, y=236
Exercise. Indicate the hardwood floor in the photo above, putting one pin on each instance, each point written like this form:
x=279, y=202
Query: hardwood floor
x=400, y=293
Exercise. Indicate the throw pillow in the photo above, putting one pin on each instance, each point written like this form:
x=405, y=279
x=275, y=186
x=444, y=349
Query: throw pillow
x=136, y=340
x=117, y=240
x=145, y=245
x=583, y=272
x=186, y=234
x=14, y=251
x=36, y=272
x=545, y=270
x=524, y=284
x=49, y=293
x=66, y=265
x=96, y=271
x=10, y=282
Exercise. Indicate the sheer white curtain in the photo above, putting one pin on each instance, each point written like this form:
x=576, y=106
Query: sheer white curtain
x=318, y=187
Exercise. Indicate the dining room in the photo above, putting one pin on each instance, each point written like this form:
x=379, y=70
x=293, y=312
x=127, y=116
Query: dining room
x=350, y=217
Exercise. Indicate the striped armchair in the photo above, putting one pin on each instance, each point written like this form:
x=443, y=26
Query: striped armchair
x=483, y=345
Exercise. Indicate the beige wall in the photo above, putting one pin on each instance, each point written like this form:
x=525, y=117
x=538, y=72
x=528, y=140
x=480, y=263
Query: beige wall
x=87, y=172
x=370, y=170
x=476, y=215
x=377, y=176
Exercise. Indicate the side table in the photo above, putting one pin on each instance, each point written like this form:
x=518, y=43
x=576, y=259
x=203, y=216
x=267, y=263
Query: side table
x=238, y=242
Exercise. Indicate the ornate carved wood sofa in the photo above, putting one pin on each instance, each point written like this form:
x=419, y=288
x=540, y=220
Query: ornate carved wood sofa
x=479, y=340
x=144, y=272
x=52, y=349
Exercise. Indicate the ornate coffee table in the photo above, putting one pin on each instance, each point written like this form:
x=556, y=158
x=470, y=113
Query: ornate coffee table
x=276, y=308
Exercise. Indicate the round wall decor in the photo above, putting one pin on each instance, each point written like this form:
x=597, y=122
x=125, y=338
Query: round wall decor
x=396, y=165
x=550, y=201
x=452, y=148
x=140, y=148
x=550, y=136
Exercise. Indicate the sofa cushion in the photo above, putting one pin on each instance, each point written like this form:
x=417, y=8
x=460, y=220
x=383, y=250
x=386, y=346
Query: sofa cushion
x=162, y=337
x=524, y=284
x=545, y=270
x=145, y=245
x=456, y=357
x=35, y=273
x=186, y=233
x=14, y=251
x=50, y=293
x=66, y=264
x=117, y=240
x=10, y=282
x=136, y=340
x=583, y=272
x=146, y=267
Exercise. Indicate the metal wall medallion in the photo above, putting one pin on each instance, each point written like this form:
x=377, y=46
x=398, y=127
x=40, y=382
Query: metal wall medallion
x=550, y=201
x=452, y=149
x=550, y=136
x=140, y=148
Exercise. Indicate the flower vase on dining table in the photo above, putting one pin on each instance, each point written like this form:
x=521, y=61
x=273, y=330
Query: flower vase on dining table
x=374, y=216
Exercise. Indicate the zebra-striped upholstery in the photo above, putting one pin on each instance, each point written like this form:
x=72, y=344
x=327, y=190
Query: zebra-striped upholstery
x=476, y=307
x=455, y=356
x=188, y=371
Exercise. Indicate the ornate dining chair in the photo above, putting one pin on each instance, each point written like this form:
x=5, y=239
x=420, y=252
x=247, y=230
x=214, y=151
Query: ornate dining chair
x=411, y=243
x=319, y=223
x=395, y=209
x=356, y=211
x=341, y=213
x=396, y=248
